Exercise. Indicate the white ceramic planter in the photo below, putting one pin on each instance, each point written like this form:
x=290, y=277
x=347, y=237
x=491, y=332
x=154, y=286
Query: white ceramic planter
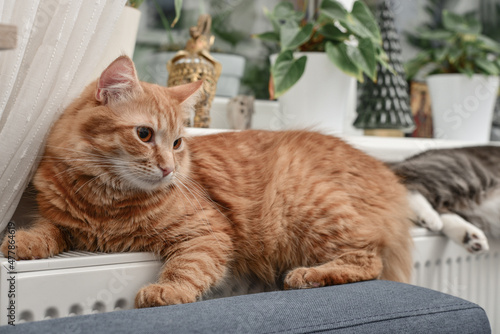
x=462, y=107
x=233, y=67
x=122, y=40
x=320, y=99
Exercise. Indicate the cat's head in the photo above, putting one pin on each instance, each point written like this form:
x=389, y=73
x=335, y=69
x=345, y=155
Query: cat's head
x=127, y=131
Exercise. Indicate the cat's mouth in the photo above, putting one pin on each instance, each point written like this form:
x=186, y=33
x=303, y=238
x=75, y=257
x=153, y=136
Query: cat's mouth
x=156, y=182
x=147, y=182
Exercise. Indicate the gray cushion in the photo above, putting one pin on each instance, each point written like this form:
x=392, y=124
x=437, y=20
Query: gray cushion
x=365, y=307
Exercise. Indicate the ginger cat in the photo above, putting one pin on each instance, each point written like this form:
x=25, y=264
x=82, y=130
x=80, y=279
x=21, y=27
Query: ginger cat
x=119, y=175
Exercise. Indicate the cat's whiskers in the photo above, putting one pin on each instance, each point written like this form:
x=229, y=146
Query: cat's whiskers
x=152, y=232
x=205, y=220
x=143, y=175
x=95, y=178
x=156, y=233
x=187, y=198
x=207, y=223
x=72, y=159
x=93, y=157
x=66, y=170
x=123, y=168
x=124, y=177
x=53, y=158
x=95, y=160
x=97, y=155
x=78, y=168
x=200, y=191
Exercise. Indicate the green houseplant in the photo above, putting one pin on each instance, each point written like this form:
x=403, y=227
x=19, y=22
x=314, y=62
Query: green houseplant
x=350, y=39
x=462, y=71
x=459, y=47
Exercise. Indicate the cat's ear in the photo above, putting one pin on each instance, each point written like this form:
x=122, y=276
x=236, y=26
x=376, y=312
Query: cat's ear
x=186, y=95
x=118, y=81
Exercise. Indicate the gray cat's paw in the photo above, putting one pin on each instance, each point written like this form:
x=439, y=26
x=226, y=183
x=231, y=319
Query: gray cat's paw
x=430, y=220
x=475, y=242
x=464, y=233
x=425, y=215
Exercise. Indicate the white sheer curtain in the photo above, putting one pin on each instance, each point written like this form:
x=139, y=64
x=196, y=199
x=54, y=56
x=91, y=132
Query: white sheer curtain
x=59, y=43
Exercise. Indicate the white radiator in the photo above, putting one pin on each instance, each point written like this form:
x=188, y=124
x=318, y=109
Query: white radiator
x=442, y=265
x=82, y=283
x=73, y=283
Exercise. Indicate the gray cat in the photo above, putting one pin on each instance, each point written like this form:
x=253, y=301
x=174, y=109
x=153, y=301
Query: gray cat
x=456, y=191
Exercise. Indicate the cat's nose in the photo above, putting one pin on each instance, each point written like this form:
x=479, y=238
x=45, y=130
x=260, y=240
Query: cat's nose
x=165, y=170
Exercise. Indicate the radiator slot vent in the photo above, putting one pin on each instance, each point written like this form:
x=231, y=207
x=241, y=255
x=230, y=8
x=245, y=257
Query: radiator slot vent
x=51, y=313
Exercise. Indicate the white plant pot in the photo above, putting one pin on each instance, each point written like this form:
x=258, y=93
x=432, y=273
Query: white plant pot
x=320, y=99
x=122, y=40
x=233, y=67
x=462, y=107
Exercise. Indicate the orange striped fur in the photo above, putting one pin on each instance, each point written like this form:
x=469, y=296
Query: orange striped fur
x=294, y=204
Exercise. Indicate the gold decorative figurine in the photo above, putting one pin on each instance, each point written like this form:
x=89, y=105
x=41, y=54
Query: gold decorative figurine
x=195, y=63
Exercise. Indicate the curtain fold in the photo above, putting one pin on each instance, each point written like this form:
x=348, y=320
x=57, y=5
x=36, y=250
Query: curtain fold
x=60, y=42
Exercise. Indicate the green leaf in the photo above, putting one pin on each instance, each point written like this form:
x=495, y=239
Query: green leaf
x=330, y=31
x=269, y=36
x=286, y=71
x=364, y=16
x=178, y=8
x=292, y=36
x=380, y=53
x=231, y=36
x=338, y=54
x=440, y=55
x=454, y=54
x=437, y=34
x=471, y=51
x=414, y=65
x=333, y=9
x=353, y=26
x=270, y=16
x=488, y=44
x=285, y=11
x=460, y=24
x=361, y=23
x=382, y=59
x=367, y=62
x=486, y=66
x=466, y=70
x=164, y=22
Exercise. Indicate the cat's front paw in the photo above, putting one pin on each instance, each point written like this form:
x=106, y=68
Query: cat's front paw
x=464, y=233
x=424, y=213
x=27, y=246
x=303, y=278
x=430, y=220
x=161, y=295
x=476, y=242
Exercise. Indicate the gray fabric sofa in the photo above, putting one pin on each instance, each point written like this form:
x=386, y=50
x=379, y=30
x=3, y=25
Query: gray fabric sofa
x=365, y=307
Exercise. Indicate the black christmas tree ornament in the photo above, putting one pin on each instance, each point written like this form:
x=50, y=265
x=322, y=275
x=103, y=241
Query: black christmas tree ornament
x=384, y=105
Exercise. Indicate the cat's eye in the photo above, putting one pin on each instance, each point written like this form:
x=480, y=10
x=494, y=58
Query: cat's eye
x=177, y=143
x=144, y=133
